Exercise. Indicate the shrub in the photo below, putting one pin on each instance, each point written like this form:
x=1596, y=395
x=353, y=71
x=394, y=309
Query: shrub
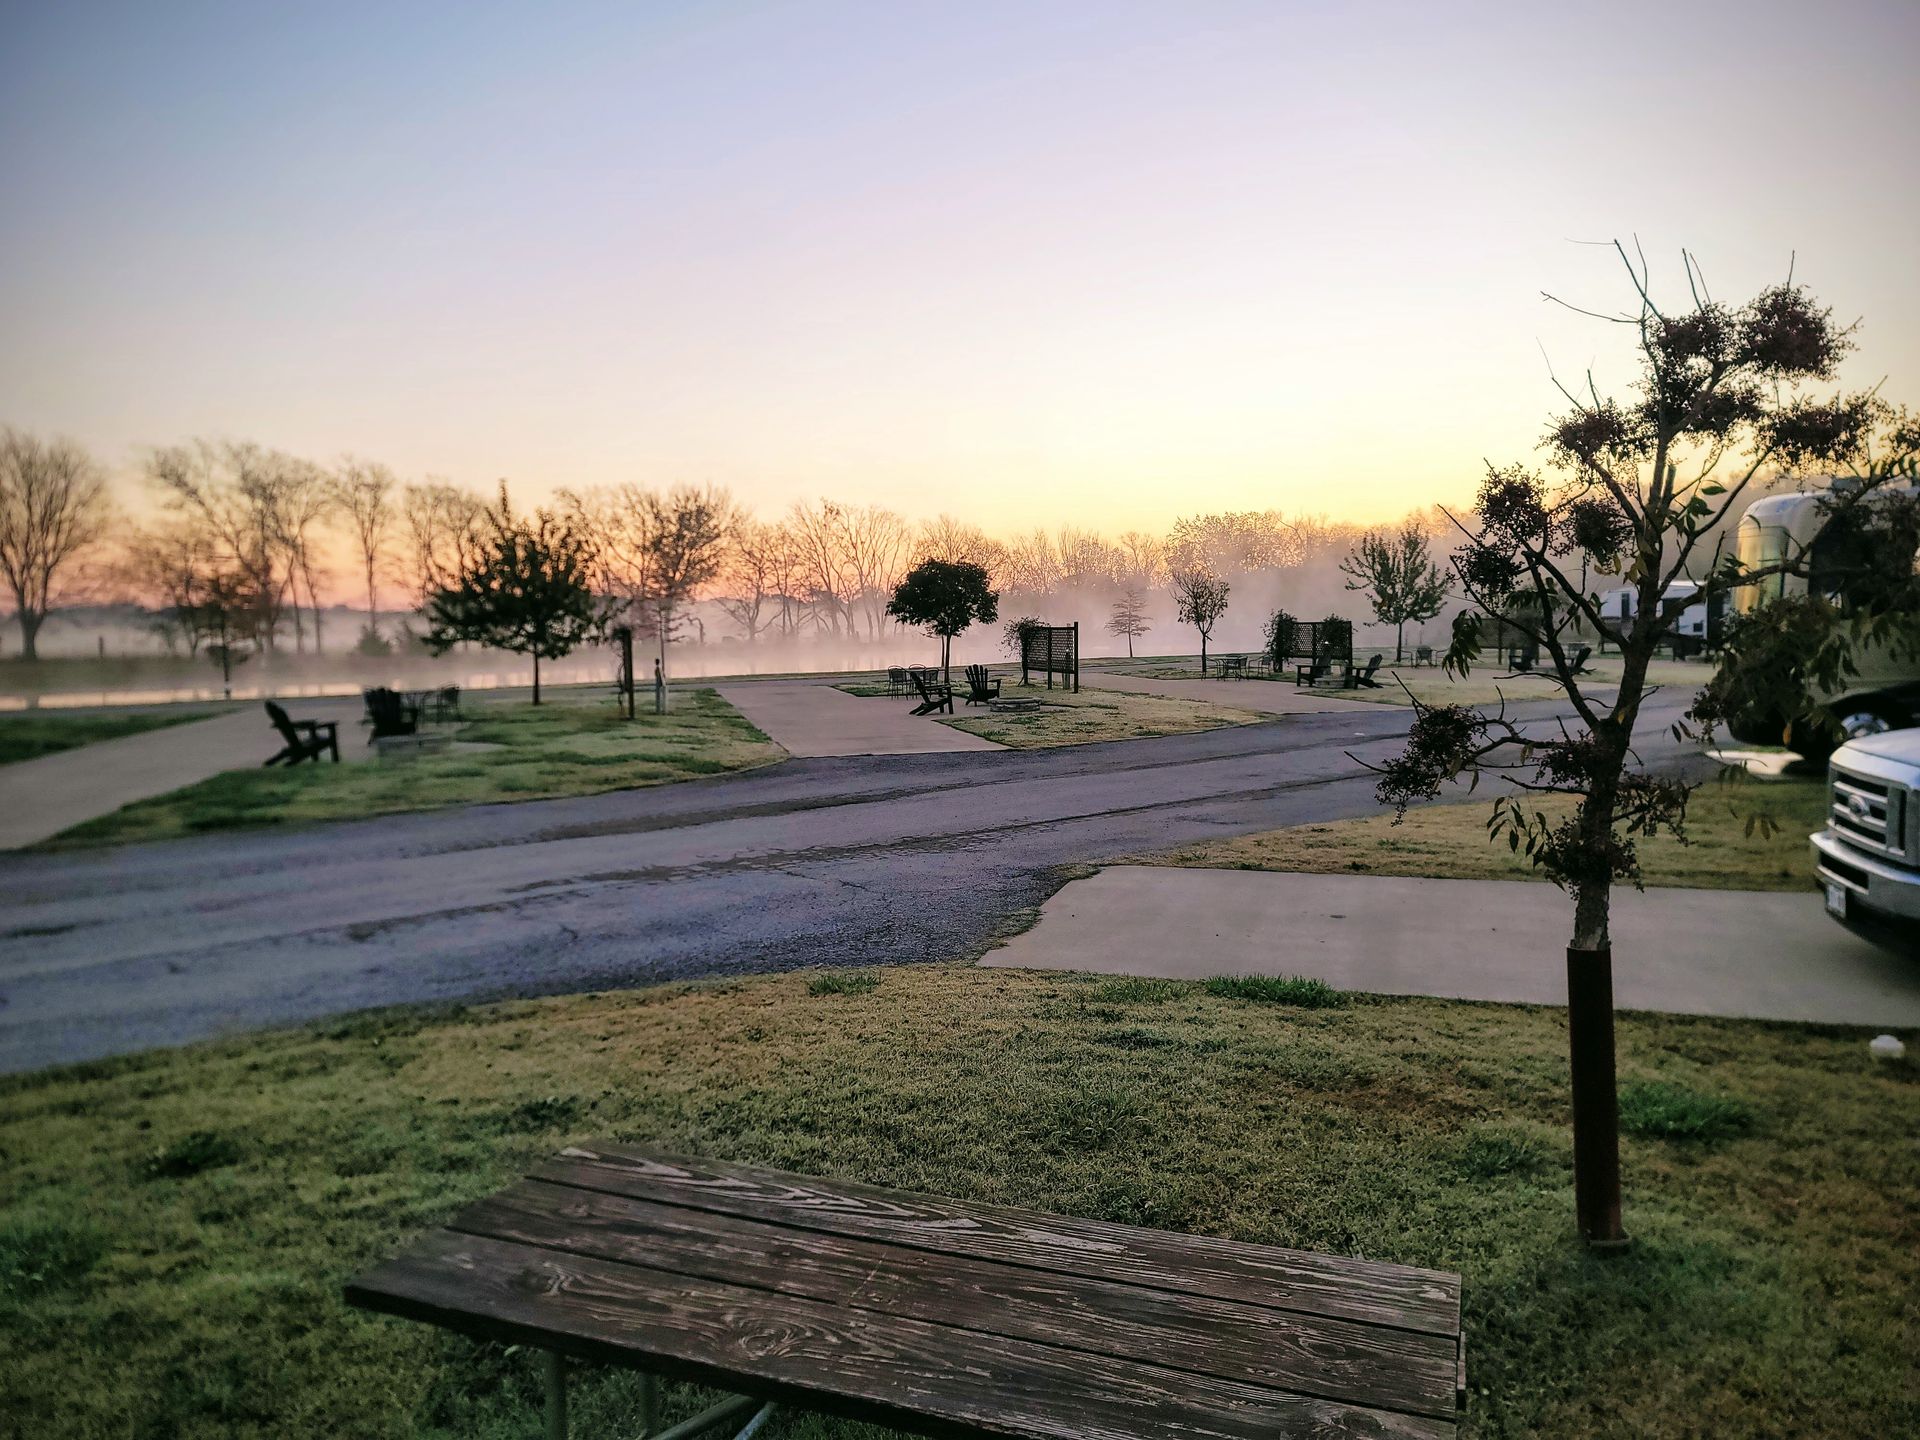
x=1673, y=1112
x=1298, y=990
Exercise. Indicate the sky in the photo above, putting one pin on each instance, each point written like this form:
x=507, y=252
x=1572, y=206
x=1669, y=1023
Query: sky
x=1030, y=264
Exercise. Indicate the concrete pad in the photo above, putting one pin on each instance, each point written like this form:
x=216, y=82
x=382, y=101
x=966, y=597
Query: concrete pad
x=808, y=718
x=41, y=797
x=1268, y=697
x=1689, y=952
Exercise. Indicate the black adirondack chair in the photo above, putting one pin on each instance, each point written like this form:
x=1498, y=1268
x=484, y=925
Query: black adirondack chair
x=1310, y=674
x=305, y=739
x=981, y=690
x=389, y=713
x=933, y=696
x=1577, y=662
x=1365, y=677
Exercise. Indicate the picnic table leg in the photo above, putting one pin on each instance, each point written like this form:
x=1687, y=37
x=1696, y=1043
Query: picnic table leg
x=649, y=1405
x=556, y=1368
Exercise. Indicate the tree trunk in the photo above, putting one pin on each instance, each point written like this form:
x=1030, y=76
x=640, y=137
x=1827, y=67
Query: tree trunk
x=30, y=633
x=1203, y=652
x=1399, y=640
x=946, y=660
x=536, y=677
x=1596, y=1104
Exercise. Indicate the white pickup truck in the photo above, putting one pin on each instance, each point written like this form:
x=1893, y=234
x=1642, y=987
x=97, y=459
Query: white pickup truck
x=1868, y=857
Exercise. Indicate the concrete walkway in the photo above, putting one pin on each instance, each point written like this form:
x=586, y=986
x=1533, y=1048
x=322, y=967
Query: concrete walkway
x=1692, y=952
x=811, y=718
x=41, y=797
x=1268, y=697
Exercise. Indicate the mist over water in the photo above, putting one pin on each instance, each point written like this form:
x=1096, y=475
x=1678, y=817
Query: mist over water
x=106, y=658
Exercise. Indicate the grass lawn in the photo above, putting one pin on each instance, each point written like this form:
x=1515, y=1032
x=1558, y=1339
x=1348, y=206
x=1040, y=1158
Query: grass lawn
x=571, y=745
x=175, y=1227
x=1488, y=683
x=1450, y=842
x=46, y=732
x=1069, y=719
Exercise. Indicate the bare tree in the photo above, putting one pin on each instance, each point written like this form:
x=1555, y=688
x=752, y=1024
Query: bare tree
x=823, y=563
x=1231, y=543
x=1129, y=618
x=172, y=565
x=1032, y=565
x=1143, y=560
x=1200, y=599
x=689, y=529
x=363, y=492
x=1642, y=482
x=53, y=506
x=306, y=500
x=256, y=508
x=654, y=551
x=443, y=527
x=784, y=574
x=945, y=538
x=749, y=574
x=879, y=546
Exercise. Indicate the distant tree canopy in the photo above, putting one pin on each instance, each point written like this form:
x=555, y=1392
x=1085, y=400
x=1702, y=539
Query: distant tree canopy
x=526, y=588
x=1397, y=573
x=1200, y=599
x=944, y=597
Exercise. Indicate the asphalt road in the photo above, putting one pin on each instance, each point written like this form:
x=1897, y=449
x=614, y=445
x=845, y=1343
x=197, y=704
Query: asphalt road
x=854, y=861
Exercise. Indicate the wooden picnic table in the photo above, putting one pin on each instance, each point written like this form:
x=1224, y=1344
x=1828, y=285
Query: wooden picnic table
x=940, y=1317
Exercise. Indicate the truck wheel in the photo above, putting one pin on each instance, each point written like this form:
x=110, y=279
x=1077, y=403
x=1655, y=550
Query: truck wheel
x=1858, y=721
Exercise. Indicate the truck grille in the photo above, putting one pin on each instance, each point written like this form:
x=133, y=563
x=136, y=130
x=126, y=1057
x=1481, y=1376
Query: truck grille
x=1869, y=815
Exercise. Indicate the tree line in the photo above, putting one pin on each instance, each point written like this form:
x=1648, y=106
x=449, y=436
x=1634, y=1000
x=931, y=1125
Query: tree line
x=251, y=541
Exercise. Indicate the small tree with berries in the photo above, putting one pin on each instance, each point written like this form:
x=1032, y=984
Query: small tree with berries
x=1636, y=487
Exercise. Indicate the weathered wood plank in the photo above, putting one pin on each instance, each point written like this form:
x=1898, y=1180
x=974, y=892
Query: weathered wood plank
x=1371, y=1365
x=1363, y=1290
x=931, y=1379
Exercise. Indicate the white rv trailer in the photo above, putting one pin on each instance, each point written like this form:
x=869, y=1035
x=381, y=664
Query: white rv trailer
x=1885, y=694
